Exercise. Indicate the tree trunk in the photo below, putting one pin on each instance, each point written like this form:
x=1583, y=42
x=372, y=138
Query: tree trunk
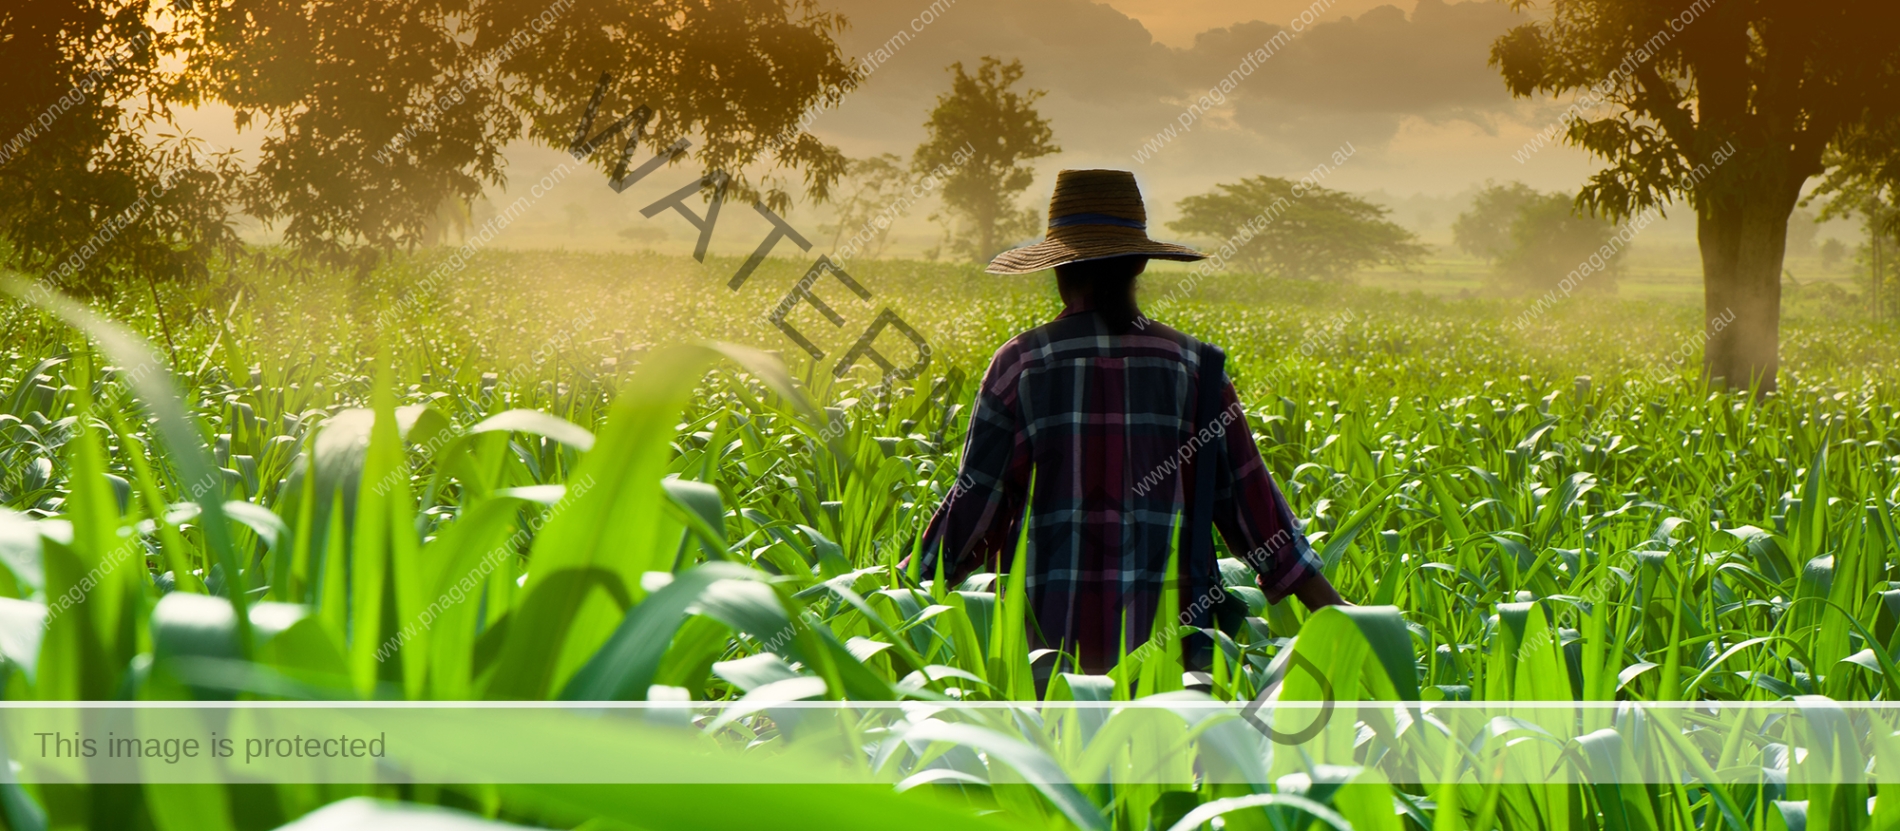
x=986, y=235
x=1876, y=234
x=1743, y=240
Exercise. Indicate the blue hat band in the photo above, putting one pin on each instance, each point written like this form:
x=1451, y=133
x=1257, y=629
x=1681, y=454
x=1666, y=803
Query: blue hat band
x=1096, y=219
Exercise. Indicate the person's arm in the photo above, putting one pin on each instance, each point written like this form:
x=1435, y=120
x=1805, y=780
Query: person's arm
x=1258, y=524
x=1316, y=592
x=978, y=518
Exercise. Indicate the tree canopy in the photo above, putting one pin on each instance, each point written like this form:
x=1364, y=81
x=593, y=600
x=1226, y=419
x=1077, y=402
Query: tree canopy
x=1290, y=228
x=1547, y=241
x=1728, y=106
x=1485, y=229
x=85, y=180
x=981, y=133
x=874, y=186
x=371, y=116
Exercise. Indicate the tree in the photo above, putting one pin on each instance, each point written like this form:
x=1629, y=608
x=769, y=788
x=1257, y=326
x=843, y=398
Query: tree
x=372, y=115
x=873, y=194
x=1881, y=220
x=1876, y=257
x=1864, y=179
x=1832, y=251
x=1726, y=105
x=982, y=131
x=1289, y=228
x=1484, y=231
x=1548, y=239
x=86, y=182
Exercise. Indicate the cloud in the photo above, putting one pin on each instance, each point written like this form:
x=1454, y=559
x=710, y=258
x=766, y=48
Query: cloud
x=1112, y=86
x=1380, y=62
x=1176, y=22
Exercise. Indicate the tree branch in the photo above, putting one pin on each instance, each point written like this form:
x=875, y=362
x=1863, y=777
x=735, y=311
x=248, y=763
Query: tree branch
x=1658, y=99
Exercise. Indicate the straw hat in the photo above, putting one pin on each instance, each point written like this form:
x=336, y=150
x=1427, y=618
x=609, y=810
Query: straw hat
x=1094, y=215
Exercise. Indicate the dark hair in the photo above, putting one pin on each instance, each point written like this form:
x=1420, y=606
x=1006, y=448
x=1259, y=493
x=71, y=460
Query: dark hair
x=1107, y=286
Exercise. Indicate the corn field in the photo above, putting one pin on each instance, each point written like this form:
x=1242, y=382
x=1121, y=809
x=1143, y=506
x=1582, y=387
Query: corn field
x=574, y=488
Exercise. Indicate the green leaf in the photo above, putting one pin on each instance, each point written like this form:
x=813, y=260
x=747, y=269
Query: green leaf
x=705, y=513
x=201, y=626
x=22, y=625
x=618, y=524
x=1767, y=553
x=454, y=567
x=1009, y=637
x=189, y=806
x=624, y=667
x=1448, y=510
x=537, y=423
x=365, y=814
x=1612, y=772
x=754, y=671
x=1032, y=764
x=20, y=550
x=1221, y=807
x=384, y=569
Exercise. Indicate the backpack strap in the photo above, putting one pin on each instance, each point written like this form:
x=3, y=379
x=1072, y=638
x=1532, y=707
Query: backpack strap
x=1199, y=553
x=1197, y=543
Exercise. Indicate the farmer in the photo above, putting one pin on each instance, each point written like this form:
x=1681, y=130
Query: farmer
x=1106, y=424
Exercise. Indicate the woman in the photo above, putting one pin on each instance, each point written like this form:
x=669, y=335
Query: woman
x=1099, y=420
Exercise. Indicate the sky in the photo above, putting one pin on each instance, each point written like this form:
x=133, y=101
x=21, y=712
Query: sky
x=1403, y=93
x=1176, y=22
x=1406, y=89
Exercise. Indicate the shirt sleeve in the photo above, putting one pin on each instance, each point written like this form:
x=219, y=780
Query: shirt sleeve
x=1251, y=513
x=979, y=519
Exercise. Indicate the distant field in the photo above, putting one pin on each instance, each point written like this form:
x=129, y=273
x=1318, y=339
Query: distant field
x=1673, y=277
x=1672, y=274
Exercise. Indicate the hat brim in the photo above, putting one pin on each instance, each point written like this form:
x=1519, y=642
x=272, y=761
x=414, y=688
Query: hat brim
x=1082, y=244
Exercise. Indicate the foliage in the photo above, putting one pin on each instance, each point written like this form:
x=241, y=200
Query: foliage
x=1653, y=59
x=1485, y=230
x=1832, y=251
x=1729, y=107
x=1445, y=468
x=873, y=187
x=984, y=115
x=371, y=118
x=1864, y=173
x=1547, y=242
x=1871, y=190
x=1869, y=185
x=89, y=186
x=1285, y=228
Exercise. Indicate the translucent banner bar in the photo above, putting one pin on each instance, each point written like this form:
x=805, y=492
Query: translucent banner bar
x=1173, y=739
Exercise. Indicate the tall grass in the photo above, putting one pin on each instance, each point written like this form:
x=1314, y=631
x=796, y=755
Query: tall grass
x=508, y=492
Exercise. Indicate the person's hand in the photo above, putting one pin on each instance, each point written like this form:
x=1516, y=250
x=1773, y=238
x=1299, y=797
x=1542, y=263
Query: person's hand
x=1316, y=592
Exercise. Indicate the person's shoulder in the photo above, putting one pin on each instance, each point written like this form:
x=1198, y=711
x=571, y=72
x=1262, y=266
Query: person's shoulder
x=1082, y=336
x=1037, y=343
x=1021, y=344
x=1037, y=347
x=1015, y=355
x=1157, y=339
x=1156, y=331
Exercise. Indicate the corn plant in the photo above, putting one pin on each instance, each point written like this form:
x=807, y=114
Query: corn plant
x=709, y=524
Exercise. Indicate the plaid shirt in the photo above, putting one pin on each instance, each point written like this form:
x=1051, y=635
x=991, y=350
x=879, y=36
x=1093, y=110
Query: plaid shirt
x=1107, y=424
